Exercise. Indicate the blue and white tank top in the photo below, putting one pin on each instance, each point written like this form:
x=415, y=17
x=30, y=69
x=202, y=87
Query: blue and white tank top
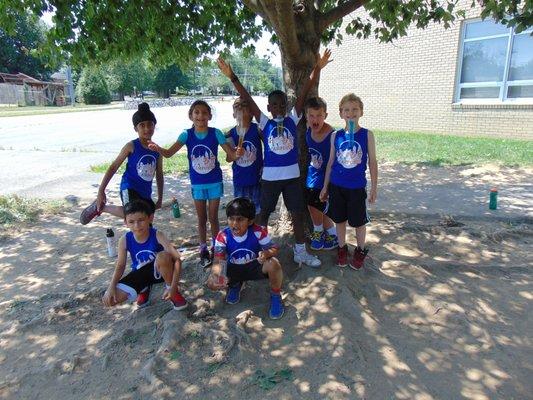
x=349, y=166
x=203, y=158
x=143, y=253
x=140, y=170
x=318, y=153
x=245, y=251
x=247, y=169
x=281, y=146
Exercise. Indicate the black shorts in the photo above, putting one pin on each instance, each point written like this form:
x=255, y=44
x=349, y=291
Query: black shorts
x=312, y=198
x=127, y=195
x=347, y=205
x=137, y=280
x=292, y=195
x=253, y=271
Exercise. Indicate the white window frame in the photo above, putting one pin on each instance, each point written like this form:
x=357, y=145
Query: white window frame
x=504, y=85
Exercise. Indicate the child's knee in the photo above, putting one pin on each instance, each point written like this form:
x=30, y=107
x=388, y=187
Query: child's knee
x=272, y=265
x=163, y=259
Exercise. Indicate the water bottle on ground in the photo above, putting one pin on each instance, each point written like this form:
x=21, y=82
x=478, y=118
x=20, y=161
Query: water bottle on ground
x=111, y=242
x=493, y=199
x=176, y=208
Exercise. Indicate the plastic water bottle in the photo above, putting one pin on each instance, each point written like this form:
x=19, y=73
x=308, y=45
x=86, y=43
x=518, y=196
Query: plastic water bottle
x=493, y=199
x=176, y=208
x=111, y=242
x=351, y=130
x=279, y=124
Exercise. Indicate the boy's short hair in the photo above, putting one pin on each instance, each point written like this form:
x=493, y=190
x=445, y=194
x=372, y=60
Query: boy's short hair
x=199, y=103
x=241, y=207
x=240, y=103
x=137, y=205
x=316, y=103
x=350, y=97
x=277, y=93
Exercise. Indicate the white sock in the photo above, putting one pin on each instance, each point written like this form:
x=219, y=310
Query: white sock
x=299, y=247
x=332, y=231
x=318, y=228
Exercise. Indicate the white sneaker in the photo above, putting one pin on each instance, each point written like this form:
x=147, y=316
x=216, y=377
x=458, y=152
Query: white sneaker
x=303, y=257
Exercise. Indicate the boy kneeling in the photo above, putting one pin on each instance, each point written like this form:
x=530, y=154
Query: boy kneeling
x=153, y=260
x=248, y=254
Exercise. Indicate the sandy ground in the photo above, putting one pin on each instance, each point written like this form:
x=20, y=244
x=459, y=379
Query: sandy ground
x=440, y=311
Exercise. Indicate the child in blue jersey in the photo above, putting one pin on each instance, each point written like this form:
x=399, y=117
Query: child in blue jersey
x=142, y=165
x=345, y=180
x=281, y=171
x=317, y=136
x=202, y=144
x=153, y=260
x=248, y=254
x=246, y=169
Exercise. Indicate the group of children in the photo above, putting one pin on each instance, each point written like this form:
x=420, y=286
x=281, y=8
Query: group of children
x=335, y=193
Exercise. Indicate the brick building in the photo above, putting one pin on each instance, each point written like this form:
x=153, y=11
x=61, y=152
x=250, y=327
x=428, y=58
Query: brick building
x=475, y=78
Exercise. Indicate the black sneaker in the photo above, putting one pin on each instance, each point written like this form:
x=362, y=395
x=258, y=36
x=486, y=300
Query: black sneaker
x=205, y=258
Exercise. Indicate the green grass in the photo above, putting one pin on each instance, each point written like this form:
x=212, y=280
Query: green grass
x=438, y=150
x=16, y=111
x=15, y=210
x=413, y=148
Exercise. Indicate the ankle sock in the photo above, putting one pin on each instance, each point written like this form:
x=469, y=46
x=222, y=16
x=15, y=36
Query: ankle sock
x=275, y=291
x=299, y=247
x=318, y=228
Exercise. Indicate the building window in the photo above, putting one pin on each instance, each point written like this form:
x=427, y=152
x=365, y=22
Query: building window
x=495, y=63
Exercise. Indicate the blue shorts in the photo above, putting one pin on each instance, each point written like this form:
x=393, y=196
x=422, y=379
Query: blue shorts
x=252, y=192
x=208, y=192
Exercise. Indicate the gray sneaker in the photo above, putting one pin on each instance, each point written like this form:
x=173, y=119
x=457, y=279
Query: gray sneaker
x=89, y=213
x=303, y=257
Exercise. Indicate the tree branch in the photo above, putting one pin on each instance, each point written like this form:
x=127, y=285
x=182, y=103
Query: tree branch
x=327, y=18
x=287, y=31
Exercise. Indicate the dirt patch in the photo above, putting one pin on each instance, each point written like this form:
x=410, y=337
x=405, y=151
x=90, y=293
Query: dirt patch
x=439, y=311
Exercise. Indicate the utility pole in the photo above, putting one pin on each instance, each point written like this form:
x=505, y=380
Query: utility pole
x=70, y=87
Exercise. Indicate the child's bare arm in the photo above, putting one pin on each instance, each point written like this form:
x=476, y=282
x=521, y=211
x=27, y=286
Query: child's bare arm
x=112, y=170
x=268, y=253
x=302, y=96
x=324, y=192
x=109, y=298
x=228, y=71
x=165, y=152
x=373, y=168
x=232, y=155
x=160, y=182
x=213, y=282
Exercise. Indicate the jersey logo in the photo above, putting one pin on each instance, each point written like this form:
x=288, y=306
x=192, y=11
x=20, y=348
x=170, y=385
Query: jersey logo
x=242, y=256
x=144, y=257
x=349, y=154
x=249, y=156
x=280, y=144
x=203, y=160
x=146, y=167
x=316, y=158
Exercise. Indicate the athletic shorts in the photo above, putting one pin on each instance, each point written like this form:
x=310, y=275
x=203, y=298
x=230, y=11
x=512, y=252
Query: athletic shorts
x=312, y=198
x=292, y=195
x=347, y=205
x=252, y=271
x=127, y=195
x=211, y=192
x=137, y=280
x=252, y=193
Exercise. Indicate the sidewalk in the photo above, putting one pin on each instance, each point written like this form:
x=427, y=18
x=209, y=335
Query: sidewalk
x=410, y=189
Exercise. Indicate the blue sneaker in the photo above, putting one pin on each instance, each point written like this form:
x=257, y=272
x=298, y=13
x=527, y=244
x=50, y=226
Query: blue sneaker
x=276, y=306
x=233, y=296
x=317, y=240
x=330, y=242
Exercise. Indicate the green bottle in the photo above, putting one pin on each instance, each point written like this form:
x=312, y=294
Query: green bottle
x=493, y=199
x=175, y=208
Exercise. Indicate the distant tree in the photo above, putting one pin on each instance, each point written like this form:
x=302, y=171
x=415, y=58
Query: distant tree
x=167, y=79
x=92, y=87
x=123, y=78
x=17, y=49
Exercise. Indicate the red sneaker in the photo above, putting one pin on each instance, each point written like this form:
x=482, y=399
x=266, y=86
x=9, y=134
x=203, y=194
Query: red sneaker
x=358, y=258
x=342, y=256
x=89, y=213
x=178, y=301
x=143, y=298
